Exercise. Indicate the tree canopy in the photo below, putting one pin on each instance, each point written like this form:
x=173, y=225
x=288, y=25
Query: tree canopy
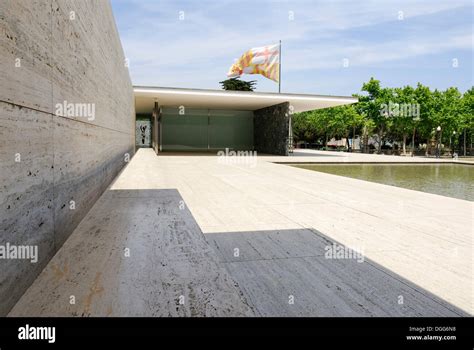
x=238, y=85
x=400, y=115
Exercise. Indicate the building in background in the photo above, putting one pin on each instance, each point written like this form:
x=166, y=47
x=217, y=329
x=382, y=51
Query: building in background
x=212, y=120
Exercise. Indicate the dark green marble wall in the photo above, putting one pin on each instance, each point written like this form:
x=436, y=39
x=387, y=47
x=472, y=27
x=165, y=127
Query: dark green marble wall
x=271, y=128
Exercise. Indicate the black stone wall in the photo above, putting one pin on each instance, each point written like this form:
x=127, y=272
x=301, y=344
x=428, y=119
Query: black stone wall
x=271, y=128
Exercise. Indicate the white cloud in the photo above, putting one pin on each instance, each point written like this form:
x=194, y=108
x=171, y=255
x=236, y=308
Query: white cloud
x=199, y=50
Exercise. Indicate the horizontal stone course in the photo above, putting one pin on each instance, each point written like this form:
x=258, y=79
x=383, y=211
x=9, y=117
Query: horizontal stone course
x=63, y=158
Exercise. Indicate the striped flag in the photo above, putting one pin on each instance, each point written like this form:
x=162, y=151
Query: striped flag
x=263, y=60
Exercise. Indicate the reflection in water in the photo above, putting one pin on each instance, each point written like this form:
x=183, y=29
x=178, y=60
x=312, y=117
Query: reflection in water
x=451, y=180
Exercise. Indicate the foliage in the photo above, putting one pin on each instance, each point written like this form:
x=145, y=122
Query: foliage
x=406, y=115
x=238, y=85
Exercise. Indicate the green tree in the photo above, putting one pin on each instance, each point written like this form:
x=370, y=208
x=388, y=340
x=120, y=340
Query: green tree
x=343, y=120
x=303, y=128
x=371, y=106
x=405, y=111
x=446, y=114
x=424, y=124
x=395, y=114
x=324, y=128
x=238, y=85
x=466, y=112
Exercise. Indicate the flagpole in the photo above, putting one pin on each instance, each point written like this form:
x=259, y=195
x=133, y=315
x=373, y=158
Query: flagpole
x=279, y=71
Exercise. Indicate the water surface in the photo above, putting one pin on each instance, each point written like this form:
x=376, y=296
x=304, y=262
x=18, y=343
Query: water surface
x=451, y=180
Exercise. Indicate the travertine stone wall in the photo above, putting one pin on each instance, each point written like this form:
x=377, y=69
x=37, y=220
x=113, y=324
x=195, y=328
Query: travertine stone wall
x=271, y=128
x=54, y=167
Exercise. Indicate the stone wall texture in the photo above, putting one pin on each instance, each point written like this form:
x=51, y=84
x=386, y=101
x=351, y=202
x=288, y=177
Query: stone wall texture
x=54, y=167
x=271, y=128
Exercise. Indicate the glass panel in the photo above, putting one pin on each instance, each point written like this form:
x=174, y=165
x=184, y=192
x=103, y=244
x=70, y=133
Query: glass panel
x=184, y=132
x=231, y=129
x=189, y=129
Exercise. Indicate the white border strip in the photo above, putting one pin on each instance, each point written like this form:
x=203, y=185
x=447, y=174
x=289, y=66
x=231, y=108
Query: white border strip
x=281, y=97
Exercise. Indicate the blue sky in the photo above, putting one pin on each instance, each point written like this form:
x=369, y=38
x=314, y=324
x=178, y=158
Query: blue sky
x=398, y=42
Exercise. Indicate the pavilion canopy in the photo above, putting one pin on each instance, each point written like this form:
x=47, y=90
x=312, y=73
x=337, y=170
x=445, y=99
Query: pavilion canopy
x=145, y=98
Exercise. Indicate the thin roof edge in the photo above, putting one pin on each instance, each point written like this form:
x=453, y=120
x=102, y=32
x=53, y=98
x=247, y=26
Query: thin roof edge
x=151, y=88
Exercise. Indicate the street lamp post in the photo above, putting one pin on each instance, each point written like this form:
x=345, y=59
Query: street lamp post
x=438, y=141
x=454, y=142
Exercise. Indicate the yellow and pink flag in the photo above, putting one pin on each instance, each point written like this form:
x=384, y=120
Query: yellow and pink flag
x=263, y=60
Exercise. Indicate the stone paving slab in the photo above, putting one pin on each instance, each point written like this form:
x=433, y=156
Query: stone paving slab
x=267, y=245
x=168, y=259
x=424, y=238
x=281, y=218
x=293, y=283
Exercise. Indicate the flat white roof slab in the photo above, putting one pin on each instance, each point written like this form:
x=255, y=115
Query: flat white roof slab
x=145, y=98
